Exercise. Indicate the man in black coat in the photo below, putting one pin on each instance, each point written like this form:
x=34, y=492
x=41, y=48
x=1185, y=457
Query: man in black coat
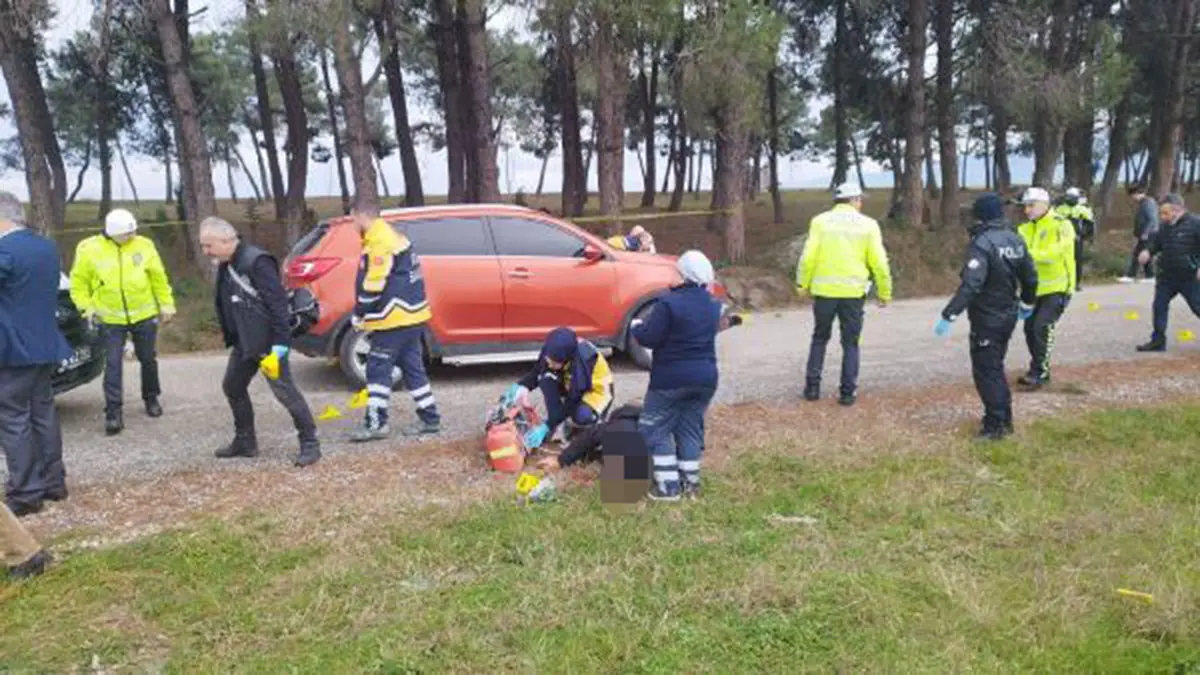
x=997, y=266
x=1177, y=246
x=252, y=307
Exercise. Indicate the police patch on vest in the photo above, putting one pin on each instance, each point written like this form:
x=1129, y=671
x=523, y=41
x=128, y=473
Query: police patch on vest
x=137, y=258
x=377, y=261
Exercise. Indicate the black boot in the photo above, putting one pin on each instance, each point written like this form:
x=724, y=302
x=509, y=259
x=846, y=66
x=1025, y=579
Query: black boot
x=310, y=453
x=812, y=391
x=153, y=407
x=1153, y=346
x=242, y=446
x=32, y=567
x=113, y=423
x=847, y=399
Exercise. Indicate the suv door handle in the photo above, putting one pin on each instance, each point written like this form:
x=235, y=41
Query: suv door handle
x=520, y=273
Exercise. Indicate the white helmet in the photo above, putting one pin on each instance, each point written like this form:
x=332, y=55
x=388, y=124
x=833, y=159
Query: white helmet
x=1074, y=192
x=1034, y=195
x=695, y=267
x=119, y=222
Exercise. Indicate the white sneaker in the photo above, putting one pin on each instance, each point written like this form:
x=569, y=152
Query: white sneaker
x=1125, y=280
x=1146, y=281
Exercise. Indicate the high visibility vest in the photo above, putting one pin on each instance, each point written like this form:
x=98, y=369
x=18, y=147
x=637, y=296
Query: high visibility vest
x=843, y=253
x=1051, y=242
x=391, y=288
x=122, y=284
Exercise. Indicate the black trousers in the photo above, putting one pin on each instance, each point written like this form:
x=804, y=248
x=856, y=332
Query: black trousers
x=989, y=346
x=1138, y=247
x=849, y=314
x=30, y=434
x=1040, y=329
x=145, y=337
x=1078, y=261
x=240, y=372
x=1165, y=291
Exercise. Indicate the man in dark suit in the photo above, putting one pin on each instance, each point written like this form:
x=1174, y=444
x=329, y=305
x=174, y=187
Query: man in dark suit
x=31, y=348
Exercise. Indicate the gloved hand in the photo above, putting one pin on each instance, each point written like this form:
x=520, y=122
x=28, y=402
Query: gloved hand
x=280, y=351
x=1024, y=312
x=941, y=328
x=536, y=435
x=514, y=393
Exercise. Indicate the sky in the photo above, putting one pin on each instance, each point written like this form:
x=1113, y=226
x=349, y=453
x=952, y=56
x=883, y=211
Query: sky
x=518, y=170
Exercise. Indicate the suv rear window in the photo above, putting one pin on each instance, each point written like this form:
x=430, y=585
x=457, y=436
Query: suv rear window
x=447, y=236
x=308, y=241
x=528, y=237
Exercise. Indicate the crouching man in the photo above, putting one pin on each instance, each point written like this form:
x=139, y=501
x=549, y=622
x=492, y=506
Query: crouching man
x=252, y=308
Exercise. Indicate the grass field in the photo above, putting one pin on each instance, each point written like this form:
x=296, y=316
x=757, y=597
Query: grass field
x=831, y=552
x=925, y=261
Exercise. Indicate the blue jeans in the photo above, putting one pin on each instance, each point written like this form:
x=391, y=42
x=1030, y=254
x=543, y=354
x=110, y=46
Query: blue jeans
x=399, y=347
x=1165, y=291
x=672, y=422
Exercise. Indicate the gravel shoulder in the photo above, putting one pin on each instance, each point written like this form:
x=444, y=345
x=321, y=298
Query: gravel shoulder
x=160, y=471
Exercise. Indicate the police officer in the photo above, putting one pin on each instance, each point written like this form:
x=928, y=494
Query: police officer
x=1050, y=239
x=393, y=310
x=997, y=267
x=1075, y=209
x=119, y=279
x=1177, y=245
x=843, y=253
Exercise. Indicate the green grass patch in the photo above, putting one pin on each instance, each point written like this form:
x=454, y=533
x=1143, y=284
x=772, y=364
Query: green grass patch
x=989, y=558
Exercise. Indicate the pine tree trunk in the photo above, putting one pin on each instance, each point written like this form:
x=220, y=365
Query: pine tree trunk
x=385, y=31
x=914, y=202
x=338, y=142
x=611, y=89
x=649, y=121
x=266, y=118
x=358, y=141
x=729, y=181
x=947, y=114
x=840, y=124
x=477, y=81
x=125, y=168
x=450, y=80
x=1174, y=96
x=773, y=143
x=574, y=185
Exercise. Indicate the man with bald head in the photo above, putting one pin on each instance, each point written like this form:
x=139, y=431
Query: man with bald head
x=31, y=348
x=252, y=308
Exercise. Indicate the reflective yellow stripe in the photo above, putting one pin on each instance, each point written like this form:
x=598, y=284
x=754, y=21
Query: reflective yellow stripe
x=506, y=451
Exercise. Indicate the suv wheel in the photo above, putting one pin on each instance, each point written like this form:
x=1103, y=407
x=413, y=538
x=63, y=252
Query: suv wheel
x=641, y=356
x=352, y=357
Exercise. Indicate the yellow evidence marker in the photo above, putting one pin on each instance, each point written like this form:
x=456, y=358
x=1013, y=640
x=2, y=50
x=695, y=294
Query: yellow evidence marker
x=1145, y=597
x=526, y=482
x=358, y=400
x=270, y=366
x=1093, y=307
x=331, y=412
x=1186, y=335
x=1131, y=316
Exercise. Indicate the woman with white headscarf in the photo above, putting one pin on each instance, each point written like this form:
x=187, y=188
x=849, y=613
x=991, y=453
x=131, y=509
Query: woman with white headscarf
x=682, y=330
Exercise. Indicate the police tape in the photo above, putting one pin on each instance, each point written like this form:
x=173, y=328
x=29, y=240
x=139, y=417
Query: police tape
x=648, y=216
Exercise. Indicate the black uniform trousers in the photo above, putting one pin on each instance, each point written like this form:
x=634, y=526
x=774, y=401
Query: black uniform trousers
x=989, y=346
x=144, y=334
x=849, y=314
x=1040, y=329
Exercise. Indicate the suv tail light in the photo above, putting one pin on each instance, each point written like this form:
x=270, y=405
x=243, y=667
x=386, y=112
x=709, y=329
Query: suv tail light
x=307, y=270
x=719, y=290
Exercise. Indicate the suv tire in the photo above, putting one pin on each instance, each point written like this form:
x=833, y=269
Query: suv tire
x=352, y=358
x=642, y=357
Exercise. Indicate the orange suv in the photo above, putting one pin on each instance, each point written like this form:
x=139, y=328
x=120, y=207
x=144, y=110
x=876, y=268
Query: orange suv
x=498, y=277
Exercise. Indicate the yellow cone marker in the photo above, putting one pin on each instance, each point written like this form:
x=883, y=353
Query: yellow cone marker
x=1186, y=335
x=358, y=400
x=1093, y=307
x=331, y=412
x=270, y=366
x=1145, y=597
x=1132, y=316
x=526, y=482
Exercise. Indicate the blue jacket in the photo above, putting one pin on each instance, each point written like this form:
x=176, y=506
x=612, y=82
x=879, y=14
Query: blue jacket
x=29, y=278
x=682, y=330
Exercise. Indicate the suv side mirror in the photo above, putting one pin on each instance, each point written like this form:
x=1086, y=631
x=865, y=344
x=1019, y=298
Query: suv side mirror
x=592, y=253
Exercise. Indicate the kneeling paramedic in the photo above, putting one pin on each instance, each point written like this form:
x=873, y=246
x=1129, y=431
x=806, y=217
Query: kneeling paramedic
x=392, y=309
x=575, y=382
x=1050, y=239
x=997, y=267
x=119, y=280
x=252, y=308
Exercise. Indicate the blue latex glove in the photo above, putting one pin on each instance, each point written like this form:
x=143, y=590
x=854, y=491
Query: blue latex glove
x=941, y=328
x=510, y=396
x=536, y=435
x=280, y=351
x=1024, y=312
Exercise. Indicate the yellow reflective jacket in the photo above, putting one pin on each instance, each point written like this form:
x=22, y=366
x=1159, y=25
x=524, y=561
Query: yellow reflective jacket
x=1051, y=242
x=122, y=284
x=391, y=287
x=843, y=252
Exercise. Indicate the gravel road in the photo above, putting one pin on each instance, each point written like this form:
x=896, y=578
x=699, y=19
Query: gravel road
x=762, y=360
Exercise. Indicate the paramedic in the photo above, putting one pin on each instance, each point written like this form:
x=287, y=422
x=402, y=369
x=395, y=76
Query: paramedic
x=997, y=268
x=682, y=330
x=638, y=240
x=252, y=309
x=1176, y=243
x=119, y=279
x=1050, y=239
x=392, y=309
x=575, y=382
x=1074, y=208
x=843, y=252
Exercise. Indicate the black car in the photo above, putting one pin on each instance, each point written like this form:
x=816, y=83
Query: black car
x=87, y=361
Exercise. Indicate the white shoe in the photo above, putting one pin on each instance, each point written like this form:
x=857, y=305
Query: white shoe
x=1125, y=280
x=1146, y=281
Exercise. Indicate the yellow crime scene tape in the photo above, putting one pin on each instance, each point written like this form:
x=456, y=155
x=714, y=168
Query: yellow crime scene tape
x=646, y=216
x=97, y=229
